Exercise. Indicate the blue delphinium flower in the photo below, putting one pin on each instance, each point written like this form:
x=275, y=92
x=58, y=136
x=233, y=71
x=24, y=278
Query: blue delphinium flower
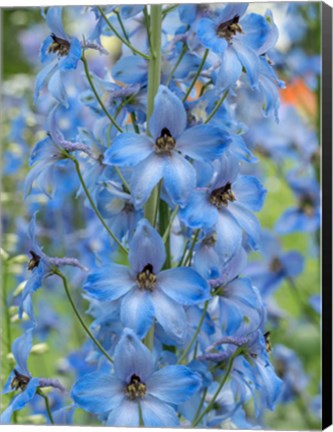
x=21, y=379
x=162, y=156
x=136, y=393
x=274, y=266
x=146, y=291
x=227, y=206
x=60, y=53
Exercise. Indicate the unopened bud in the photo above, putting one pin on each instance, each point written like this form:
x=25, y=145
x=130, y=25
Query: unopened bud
x=39, y=348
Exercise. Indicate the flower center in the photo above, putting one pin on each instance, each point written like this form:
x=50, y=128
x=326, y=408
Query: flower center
x=128, y=208
x=220, y=197
x=60, y=46
x=275, y=265
x=147, y=278
x=306, y=205
x=19, y=381
x=135, y=388
x=229, y=29
x=165, y=142
x=34, y=262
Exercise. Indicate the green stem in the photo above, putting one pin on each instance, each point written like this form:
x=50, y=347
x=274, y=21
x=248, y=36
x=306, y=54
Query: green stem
x=196, y=76
x=154, y=79
x=220, y=387
x=189, y=346
x=124, y=182
x=93, y=88
x=190, y=253
x=93, y=205
x=184, y=253
x=120, y=21
x=135, y=126
x=217, y=106
x=201, y=404
x=180, y=58
x=168, y=10
x=123, y=40
x=47, y=405
x=77, y=313
x=168, y=228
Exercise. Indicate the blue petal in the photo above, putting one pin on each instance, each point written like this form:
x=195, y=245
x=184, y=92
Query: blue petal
x=137, y=311
x=147, y=247
x=250, y=62
x=145, y=177
x=21, y=349
x=198, y=213
x=206, y=32
x=170, y=315
x=187, y=13
x=98, y=392
x=54, y=21
x=169, y=112
x=232, y=10
x=132, y=358
x=256, y=30
x=128, y=149
x=174, y=384
x=157, y=414
x=229, y=235
x=125, y=415
x=247, y=221
x=109, y=283
x=179, y=178
x=293, y=263
x=70, y=61
x=203, y=142
x=44, y=53
x=42, y=76
x=57, y=89
x=230, y=69
x=20, y=401
x=131, y=70
x=184, y=285
x=250, y=192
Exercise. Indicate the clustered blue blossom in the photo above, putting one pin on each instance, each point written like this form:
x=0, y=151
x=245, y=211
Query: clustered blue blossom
x=167, y=185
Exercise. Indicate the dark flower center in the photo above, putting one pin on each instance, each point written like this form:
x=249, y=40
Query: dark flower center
x=306, y=205
x=229, y=29
x=128, y=208
x=135, y=389
x=34, y=262
x=165, y=142
x=220, y=197
x=275, y=265
x=59, y=46
x=268, y=343
x=147, y=278
x=19, y=381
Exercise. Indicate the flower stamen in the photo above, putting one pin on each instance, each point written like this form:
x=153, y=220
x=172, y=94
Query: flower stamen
x=220, y=197
x=135, y=389
x=59, y=46
x=147, y=278
x=229, y=29
x=165, y=143
x=34, y=262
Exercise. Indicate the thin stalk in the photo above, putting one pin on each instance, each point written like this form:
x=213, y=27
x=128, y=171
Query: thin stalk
x=149, y=339
x=154, y=79
x=168, y=228
x=135, y=126
x=158, y=201
x=196, y=76
x=99, y=100
x=123, y=40
x=220, y=387
x=120, y=21
x=168, y=10
x=217, y=106
x=189, y=346
x=47, y=405
x=164, y=219
x=190, y=253
x=124, y=182
x=201, y=403
x=184, y=253
x=77, y=313
x=180, y=58
x=93, y=205
x=147, y=24
x=5, y=307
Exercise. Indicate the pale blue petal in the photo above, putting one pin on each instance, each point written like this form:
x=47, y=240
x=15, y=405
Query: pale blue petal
x=230, y=69
x=54, y=21
x=42, y=76
x=132, y=358
x=147, y=247
x=170, y=315
x=184, y=285
x=169, y=112
x=21, y=349
x=137, y=311
x=98, y=392
x=247, y=221
x=206, y=32
x=157, y=414
x=174, y=384
x=229, y=235
x=128, y=149
x=250, y=62
x=232, y=10
x=203, y=142
x=131, y=70
x=57, y=89
x=71, y=60
x=250, y=192
x=198, y=213
x=293, y=263
x=145, y=177
x=125, y=415
x=109, y=283
x=179, y=178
